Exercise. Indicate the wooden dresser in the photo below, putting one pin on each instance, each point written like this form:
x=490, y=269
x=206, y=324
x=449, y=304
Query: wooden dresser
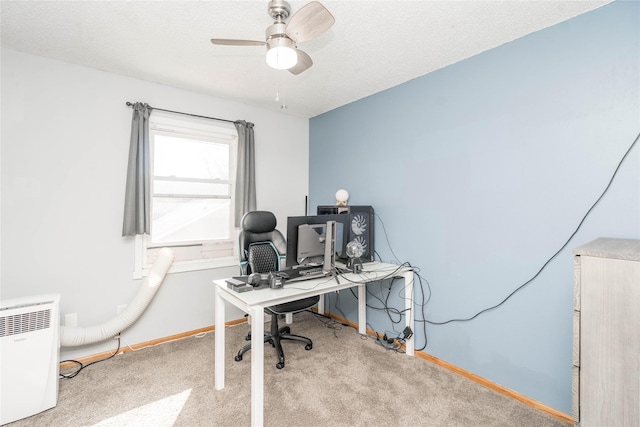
x=606, y=334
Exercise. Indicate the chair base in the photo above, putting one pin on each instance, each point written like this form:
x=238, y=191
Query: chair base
x=275, y=337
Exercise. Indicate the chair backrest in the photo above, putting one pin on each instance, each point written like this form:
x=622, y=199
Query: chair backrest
x=263, y=258
x=261, y=246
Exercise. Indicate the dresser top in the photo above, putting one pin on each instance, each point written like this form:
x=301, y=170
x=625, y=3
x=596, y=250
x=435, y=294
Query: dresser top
x=606, y=247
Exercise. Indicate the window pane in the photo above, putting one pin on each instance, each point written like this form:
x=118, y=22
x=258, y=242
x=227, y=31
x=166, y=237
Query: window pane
x=189, y=158
x=190, y=188
x=183, y=220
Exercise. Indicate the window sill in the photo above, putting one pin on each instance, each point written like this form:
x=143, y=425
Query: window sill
x=195, y=265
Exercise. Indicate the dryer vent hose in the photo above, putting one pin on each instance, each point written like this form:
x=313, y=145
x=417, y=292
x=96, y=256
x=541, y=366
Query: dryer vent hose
x=72, y=337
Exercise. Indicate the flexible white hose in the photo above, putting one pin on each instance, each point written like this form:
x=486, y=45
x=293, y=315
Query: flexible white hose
x=71, y=337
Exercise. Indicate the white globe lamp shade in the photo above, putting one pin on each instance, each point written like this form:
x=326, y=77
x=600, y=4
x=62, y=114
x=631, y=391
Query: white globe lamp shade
x=342, y=196
x=280, y=54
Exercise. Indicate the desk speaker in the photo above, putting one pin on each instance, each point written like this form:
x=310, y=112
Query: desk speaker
x=360, y=226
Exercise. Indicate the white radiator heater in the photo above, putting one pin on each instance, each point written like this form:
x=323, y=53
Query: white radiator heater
x=29, y=356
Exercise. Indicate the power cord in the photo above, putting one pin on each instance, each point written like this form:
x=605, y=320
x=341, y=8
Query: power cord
x=386, y=237
x=392, y=311
x=81, y=366
x=422, y=279
x=556, y=253
x=329, y=323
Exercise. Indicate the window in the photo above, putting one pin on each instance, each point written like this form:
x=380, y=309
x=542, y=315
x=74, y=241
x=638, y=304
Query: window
x=193, y=166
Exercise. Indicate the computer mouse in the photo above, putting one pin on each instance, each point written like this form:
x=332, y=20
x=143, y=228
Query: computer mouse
x=254, y=279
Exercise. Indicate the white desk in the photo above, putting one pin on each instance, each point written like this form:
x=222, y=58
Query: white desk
x=254, y=303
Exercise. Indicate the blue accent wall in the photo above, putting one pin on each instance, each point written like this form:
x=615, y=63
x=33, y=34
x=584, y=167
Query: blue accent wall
x=479, y=173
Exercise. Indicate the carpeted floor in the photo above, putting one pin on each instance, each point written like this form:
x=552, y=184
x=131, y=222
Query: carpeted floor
x=345, y=380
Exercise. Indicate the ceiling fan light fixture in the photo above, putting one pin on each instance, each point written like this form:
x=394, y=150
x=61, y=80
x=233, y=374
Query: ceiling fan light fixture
x=282, y=38
x=281, y=54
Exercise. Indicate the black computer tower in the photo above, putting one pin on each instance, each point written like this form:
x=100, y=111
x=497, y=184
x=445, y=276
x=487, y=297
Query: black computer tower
x=360, y=226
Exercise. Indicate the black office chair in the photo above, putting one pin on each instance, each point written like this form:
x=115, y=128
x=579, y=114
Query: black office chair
x=262, y=248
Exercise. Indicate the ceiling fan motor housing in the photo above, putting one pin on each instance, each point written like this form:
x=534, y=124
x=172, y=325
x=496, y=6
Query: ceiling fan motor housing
x=279, y=10
x=280, y=41
x=276, y=30
x=277, y=36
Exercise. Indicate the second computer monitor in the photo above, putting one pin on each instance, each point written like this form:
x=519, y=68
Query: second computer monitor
x=306, y=239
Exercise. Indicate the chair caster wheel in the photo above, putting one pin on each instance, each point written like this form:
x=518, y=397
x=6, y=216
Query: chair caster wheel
x=280, y=365
x=237, y=358
x=308, y=347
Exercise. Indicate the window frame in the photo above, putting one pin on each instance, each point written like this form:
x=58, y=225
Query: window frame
x=198, y=254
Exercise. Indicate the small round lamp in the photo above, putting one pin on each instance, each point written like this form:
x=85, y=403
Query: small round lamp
x=342, y=196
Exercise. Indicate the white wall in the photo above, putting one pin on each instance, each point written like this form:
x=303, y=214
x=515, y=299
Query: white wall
x=65, y=137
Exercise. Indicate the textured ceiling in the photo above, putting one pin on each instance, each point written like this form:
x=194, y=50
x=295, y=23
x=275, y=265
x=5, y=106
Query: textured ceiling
x=374, y=45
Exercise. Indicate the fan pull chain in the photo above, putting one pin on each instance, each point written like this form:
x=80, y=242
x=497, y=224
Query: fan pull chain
x=281, y=99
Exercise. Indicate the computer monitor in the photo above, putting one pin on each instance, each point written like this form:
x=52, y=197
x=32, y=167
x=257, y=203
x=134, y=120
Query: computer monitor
x=307, y=236
x=311, y=243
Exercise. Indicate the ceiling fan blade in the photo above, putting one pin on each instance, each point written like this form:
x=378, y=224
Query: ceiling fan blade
x=309, y=22
x=234, y=42
x=304, y=62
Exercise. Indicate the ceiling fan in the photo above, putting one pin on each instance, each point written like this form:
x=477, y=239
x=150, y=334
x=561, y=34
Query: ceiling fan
x=309, y=22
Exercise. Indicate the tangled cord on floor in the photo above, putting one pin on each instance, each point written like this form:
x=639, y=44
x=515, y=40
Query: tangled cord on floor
x=82, y=366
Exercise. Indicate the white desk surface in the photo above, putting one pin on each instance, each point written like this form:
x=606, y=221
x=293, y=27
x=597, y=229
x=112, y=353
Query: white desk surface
x=374, y=271
x=254, y=302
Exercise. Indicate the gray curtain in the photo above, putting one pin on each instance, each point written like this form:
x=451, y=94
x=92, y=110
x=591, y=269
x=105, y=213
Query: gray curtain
x=245, y=197
x=137, y=202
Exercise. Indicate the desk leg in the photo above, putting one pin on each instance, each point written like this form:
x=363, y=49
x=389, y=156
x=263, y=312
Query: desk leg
x=219, y=341
x=409, y=306
x=321, y=305
x=362, y=309
x=257, y=365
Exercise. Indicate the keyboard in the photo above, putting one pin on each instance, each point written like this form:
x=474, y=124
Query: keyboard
x=291, y=275
x=302, y=273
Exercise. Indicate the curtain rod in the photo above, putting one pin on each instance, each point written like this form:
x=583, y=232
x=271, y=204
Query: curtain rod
x=130, y=104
